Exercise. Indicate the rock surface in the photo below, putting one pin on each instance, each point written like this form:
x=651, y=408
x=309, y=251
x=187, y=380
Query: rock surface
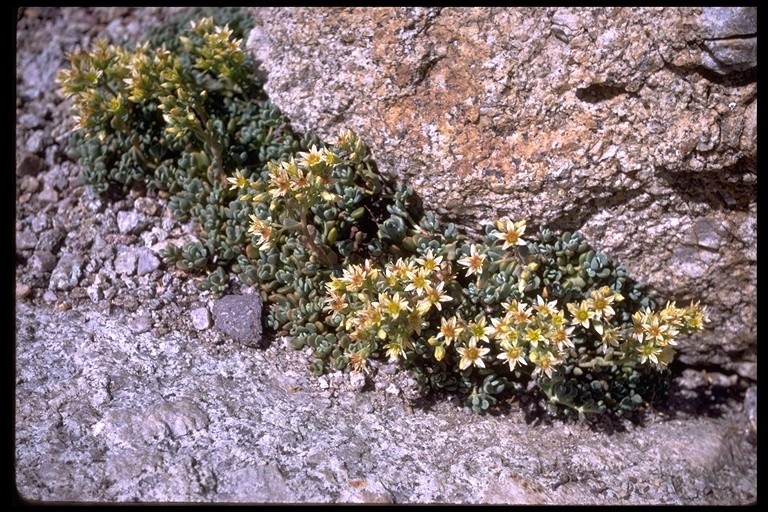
x=107, y=415
x=635, y=126
x=125, y=393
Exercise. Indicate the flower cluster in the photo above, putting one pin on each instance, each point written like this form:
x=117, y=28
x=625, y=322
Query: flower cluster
x=401, y=304
x=296, y=188
x=96, y=80
x=389, y=305
x=293, y=188
x=216, y=50
x=653, y=333
x=113, y=88
x=481, y=316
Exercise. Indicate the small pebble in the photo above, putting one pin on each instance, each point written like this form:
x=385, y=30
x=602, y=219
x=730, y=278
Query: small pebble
x=141, y=323
x=22, y=290
x=201, y=318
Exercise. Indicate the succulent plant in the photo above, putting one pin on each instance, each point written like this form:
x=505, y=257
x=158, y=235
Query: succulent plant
x=350, y=265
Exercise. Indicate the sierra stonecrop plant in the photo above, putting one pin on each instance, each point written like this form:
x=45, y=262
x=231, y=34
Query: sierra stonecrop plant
x=346, y=266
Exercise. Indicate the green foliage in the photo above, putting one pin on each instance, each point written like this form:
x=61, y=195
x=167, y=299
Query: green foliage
x=346, y=267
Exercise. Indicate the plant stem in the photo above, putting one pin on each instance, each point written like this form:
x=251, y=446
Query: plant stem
x=321, y=253
x=139, y=154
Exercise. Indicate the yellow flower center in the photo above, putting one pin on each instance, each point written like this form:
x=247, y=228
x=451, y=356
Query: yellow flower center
x=472, y=353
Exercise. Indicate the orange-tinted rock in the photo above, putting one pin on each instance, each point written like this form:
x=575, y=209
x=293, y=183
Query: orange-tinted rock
x=612, y=121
